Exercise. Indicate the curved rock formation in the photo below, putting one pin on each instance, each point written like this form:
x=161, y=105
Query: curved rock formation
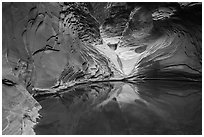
x=53, y=44
x=50, y=47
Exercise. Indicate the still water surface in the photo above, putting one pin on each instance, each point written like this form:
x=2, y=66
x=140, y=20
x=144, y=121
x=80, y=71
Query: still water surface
x=153, y=107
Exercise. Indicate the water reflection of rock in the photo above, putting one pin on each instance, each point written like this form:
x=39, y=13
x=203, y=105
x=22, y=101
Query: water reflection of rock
x=124, y=108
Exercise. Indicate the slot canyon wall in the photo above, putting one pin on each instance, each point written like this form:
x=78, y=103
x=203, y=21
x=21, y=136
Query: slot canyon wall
x=48, y=47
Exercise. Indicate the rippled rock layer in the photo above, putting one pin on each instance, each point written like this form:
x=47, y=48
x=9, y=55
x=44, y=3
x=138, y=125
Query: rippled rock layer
x=48, y=48
x=69, y=43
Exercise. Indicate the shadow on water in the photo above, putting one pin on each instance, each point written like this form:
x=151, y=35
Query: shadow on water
x=152, y=107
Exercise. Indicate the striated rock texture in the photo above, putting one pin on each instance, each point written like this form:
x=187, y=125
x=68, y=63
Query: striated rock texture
x=154, y=40
x=19, y=108
x=66, y=43
x=49, y=47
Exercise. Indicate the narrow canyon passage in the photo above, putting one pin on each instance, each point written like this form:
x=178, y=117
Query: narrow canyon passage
x=101, y=68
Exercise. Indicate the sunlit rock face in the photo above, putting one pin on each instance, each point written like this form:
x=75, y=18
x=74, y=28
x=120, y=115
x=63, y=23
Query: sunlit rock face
x=156, y=39
x=50, y=47
x=73, y=42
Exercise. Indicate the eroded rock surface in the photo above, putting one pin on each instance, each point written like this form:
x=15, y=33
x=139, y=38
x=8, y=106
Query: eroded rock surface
x=19, y=108
x=69, y=43
x=49, y=47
